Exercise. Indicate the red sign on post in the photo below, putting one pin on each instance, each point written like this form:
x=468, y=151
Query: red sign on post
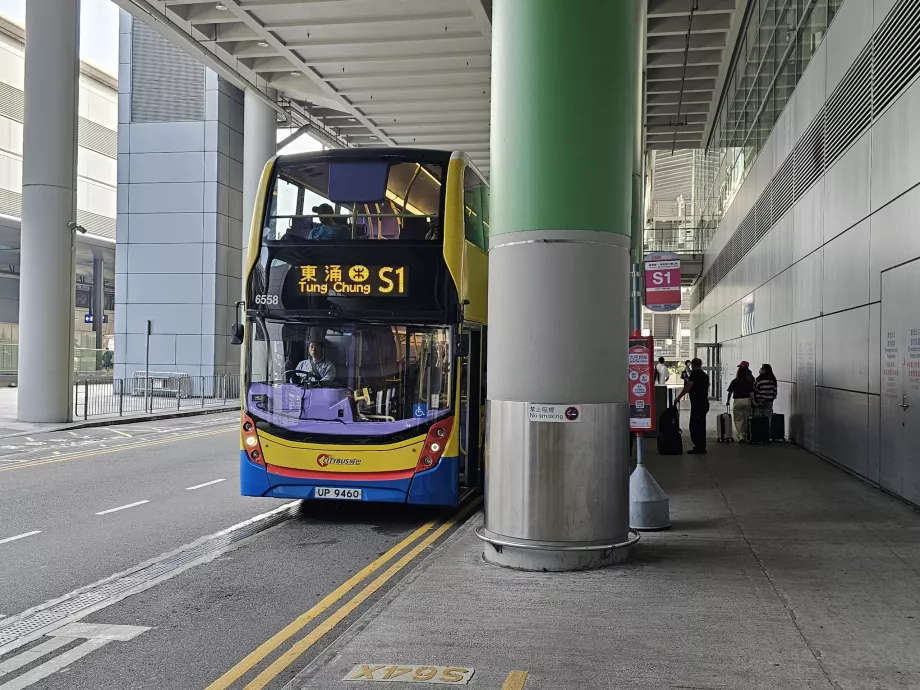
x=641, y=384
x=662, y=281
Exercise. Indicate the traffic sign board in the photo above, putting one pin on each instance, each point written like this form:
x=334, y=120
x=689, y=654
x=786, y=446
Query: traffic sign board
x=662, y=281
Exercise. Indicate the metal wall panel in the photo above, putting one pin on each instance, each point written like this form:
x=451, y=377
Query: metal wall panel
x=845, y=353
x=780, y=353
x=782, y=240
x=842, y=427
x=762, y=312
x=805, y=372
x=872, y=439
x=808, y=219
x=880, y=11
x=809, y=95
x=846, y=269
x=846, y=189
x=807, y=281
x=896, y=148
x=875, y=335
x=852, y=29
x=894, y=238
x=781, y=293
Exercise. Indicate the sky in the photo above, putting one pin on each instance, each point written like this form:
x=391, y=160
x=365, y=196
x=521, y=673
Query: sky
x=98, y=30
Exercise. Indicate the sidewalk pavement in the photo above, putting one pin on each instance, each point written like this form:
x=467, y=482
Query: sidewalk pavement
x=780, y=572
x=10, y=426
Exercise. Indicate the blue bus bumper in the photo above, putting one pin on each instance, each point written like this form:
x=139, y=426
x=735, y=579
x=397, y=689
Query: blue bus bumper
x=437, y=486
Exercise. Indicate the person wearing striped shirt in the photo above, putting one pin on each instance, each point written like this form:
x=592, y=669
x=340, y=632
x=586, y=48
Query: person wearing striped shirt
x=764, y=392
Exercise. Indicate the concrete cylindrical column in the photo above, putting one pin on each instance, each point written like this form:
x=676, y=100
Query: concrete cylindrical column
x=98, y=298
x=557, y=493
x=49, y=171
x=260, y=140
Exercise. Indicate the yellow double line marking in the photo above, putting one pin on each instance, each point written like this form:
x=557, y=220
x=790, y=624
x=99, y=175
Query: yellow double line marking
x=128, y=446
x=302, y=645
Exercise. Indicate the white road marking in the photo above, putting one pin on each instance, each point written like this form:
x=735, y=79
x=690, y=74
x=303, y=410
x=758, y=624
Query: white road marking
x=199, y=486
x=37, y=652
x=30, y=439
x=116, y=431
x=20, y=536
x=100, y=631
x=54, y=665
x=55, y=452
x=43, y=619
x=130, y=505
x=73, y=433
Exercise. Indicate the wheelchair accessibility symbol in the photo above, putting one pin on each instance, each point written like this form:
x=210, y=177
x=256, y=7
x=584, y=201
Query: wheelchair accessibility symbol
x=420, y=410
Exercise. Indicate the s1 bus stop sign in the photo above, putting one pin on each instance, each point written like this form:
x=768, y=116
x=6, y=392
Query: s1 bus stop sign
x=662, y=281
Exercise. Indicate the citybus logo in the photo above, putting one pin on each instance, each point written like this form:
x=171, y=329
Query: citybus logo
x=324, y=460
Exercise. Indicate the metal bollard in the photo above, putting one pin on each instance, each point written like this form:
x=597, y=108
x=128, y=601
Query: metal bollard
x=85, y=400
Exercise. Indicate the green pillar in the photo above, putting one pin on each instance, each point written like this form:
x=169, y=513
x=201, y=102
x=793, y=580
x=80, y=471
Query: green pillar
x=563, y=112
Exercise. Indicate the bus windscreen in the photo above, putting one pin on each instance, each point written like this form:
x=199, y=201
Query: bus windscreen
x=348, y=379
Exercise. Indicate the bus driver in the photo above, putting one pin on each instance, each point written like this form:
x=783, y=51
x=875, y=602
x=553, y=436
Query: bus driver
x=317, y=367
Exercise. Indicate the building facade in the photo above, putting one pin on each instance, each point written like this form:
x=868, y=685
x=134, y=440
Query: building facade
x=96, y=197
x=815, y=266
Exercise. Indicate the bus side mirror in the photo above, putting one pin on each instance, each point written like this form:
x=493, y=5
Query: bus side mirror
x=463, y=345
x=236, y=334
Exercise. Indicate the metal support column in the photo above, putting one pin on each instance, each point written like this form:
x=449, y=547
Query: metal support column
x=557, y=494
x=259, y=144
x=49, y=172
x=98, y=298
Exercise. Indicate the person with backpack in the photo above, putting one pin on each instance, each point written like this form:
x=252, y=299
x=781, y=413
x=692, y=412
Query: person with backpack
x=742, y=388
x=764, y=392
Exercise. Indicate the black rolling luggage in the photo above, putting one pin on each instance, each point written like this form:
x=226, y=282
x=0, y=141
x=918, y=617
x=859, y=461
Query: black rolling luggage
x=778, y=427
x=760, y=429
x=669, y=439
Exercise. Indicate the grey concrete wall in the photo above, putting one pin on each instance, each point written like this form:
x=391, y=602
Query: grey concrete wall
x=180, y=207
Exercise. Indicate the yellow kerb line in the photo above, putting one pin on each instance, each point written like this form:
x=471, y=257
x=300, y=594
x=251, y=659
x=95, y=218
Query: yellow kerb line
x=288, y=631
x=102, y=451
x=515, y=680
x=290, y=656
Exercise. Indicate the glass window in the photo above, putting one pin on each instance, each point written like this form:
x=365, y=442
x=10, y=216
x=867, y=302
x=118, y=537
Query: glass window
x=355, y=200
x=348, y=379
x=475, y=205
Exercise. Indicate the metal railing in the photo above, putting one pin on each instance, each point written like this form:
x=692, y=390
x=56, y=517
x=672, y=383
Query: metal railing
x=677, y=240
x=153, y=393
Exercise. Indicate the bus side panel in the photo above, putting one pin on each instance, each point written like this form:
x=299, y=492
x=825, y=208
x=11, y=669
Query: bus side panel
x=439, y=486
x=475, y=283
x=454, y=234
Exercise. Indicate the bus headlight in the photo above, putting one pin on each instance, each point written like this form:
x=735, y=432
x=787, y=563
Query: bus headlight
x=252, y=441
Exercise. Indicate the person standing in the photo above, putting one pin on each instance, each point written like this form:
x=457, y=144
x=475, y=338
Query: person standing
x=685, y=374
x=662, y=373
x=697, y=388
x=765, y=392
x=741, y=388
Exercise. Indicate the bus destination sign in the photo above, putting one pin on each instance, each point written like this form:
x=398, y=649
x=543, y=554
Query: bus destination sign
x=355, y=280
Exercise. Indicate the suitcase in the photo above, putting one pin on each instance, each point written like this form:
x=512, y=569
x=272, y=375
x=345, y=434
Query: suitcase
x=760, y=429
x=669, y=438
x=778, y=427
x=724, y=426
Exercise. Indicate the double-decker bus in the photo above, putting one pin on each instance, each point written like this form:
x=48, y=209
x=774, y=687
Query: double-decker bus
x=364, y=334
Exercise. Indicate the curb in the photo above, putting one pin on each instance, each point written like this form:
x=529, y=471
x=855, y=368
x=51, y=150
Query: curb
x=114, y=421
